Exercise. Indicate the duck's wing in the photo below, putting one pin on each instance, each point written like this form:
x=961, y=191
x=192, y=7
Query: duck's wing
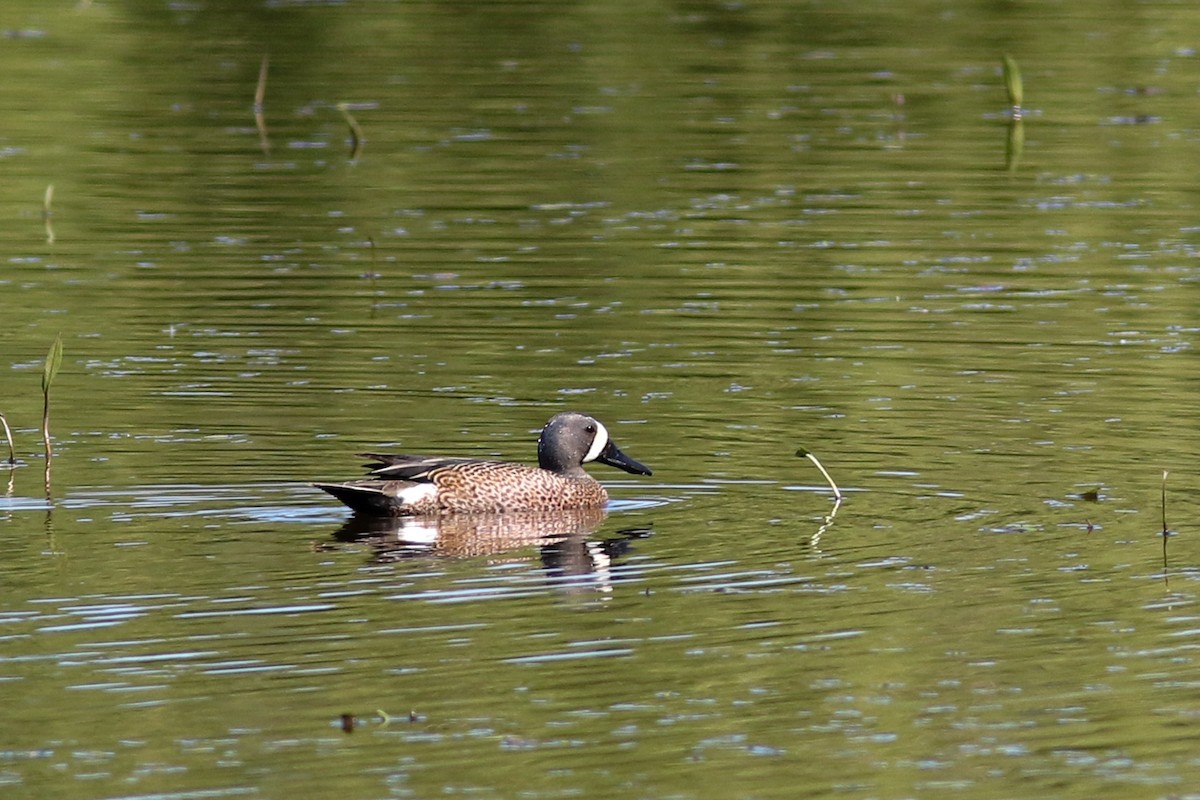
x=405, y=467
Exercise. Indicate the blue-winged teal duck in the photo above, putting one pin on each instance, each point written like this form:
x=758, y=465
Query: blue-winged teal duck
x=406, y=485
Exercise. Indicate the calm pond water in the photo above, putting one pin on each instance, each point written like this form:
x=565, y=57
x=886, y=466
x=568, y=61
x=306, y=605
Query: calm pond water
x=729, y=231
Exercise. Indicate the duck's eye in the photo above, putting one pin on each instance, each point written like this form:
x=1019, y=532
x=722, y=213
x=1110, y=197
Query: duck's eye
x=590, y=429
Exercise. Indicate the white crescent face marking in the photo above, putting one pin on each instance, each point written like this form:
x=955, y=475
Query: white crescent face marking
x=598, y=443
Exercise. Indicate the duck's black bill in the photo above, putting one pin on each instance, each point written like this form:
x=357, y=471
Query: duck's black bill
x=613, y=456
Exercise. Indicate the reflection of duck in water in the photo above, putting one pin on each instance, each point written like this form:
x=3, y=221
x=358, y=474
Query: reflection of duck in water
x=464, y=535
x=408, y=485
x=562, y=539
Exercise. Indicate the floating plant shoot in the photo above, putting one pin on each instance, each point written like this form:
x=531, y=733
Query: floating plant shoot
x=1012, y=82
x=1016, y=96
x=1166, y=532
x=356, y=131
x=802, y=453
x=815, y=541
x=47, y=201
x=260, y=95
x=12, y=454
x=49, y=371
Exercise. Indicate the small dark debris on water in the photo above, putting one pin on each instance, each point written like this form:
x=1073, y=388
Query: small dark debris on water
x=1134, y=119
x=1091, y=495
x=348, y=723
